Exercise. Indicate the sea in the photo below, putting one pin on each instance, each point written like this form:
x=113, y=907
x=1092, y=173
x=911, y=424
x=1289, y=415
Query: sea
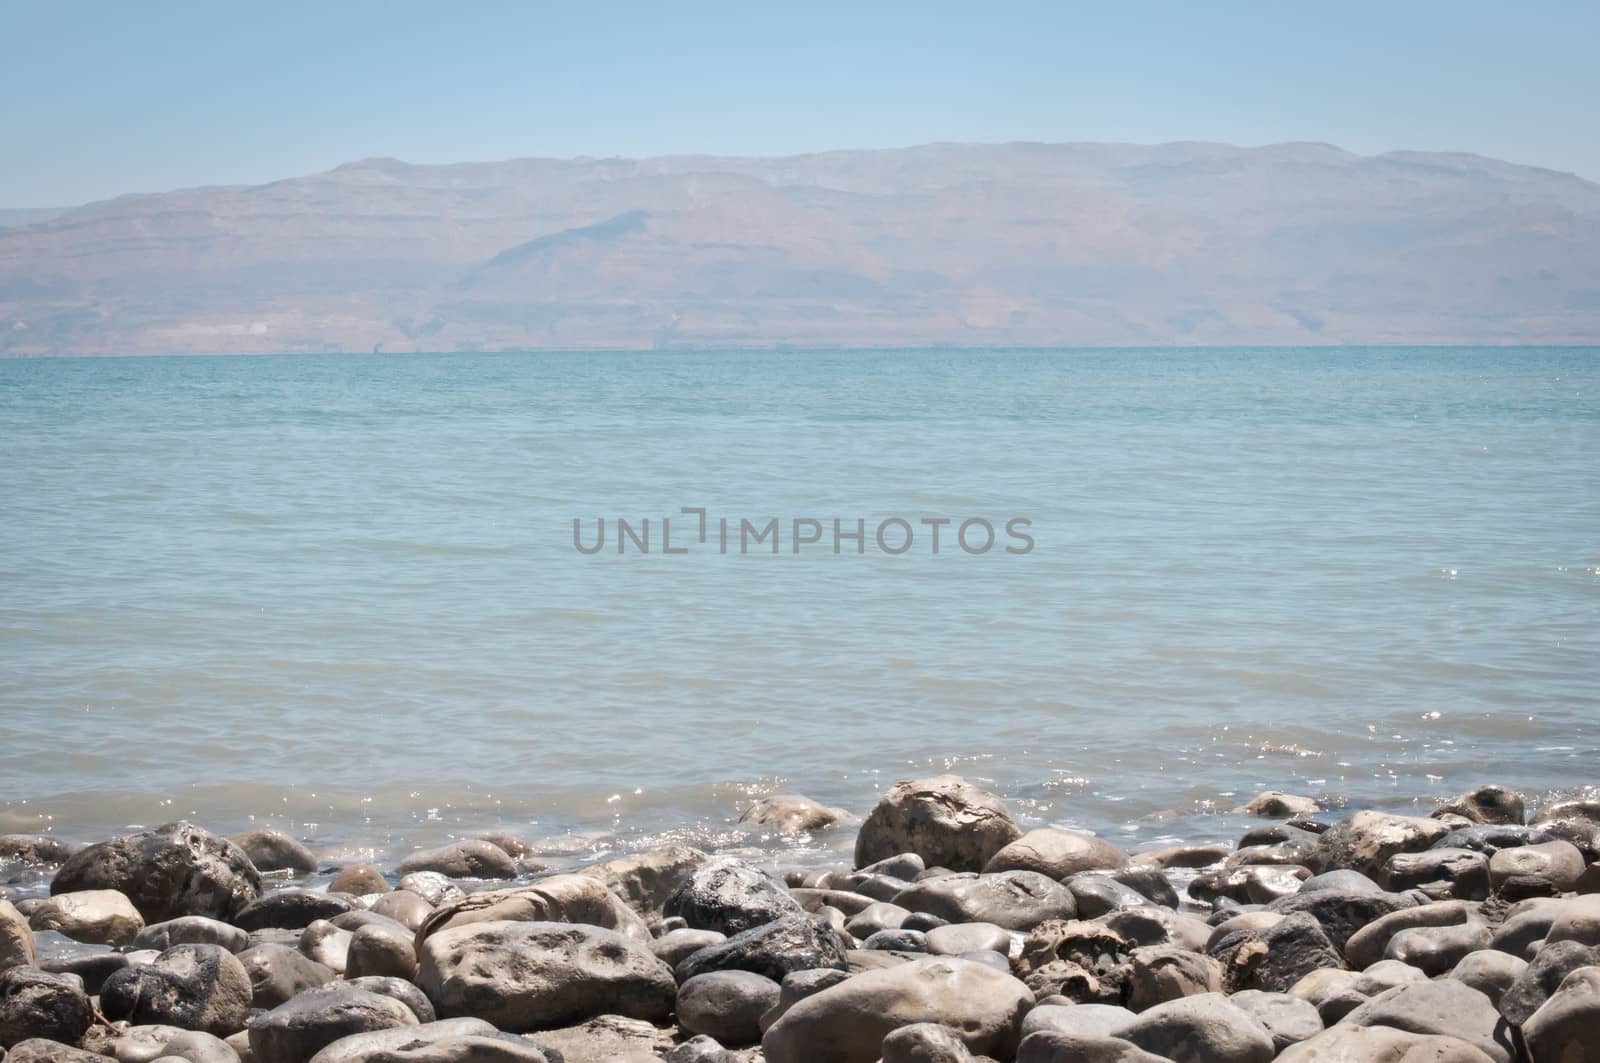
x=369, y=600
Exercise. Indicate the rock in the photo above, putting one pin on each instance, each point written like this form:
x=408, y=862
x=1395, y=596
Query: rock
x=1275, y=957
x=464, y=859
x=1055, y=1046
x=291, y=910
x=957, y=938
x=1567, y=1028
x=151, y=1044
x=880, y=915
x=404, y=907
x=1159, y=926
x=1082, y=1020
x=1254, y=884
x=944, y=819
x=1463, y=871
x=92, y=964
x=676, y=946
x=1490, y=839
x=37, y=1004
x=1150, y=883
x=557, y=899
x=327, y=944
x=1191, y=856
x=701, y=1049
x=525, y=975
x=1489, y=971
x=846, y=903
x=1057, y=854
x=1525, y=925
x=1435, y=950
x=775, y=950
x=1486, y=804
x=1016, y=900
x=1366, y=946
x=38, y=1050
x=1575, y=919
x=99, y=917
x=195, y=987
x=1274, y=804
x=447, y=1041
x=726, y=1005
x=297, y=1030
x=431, y=887
x=1340, y=880
x=1446, y=1007
x=924, y=1042
x=1287, y=1020
x=1367, y=840
x=1095, y=894
x=177, y=869
x=848, y=1022
x=1337, y=993
x=644, y=882
x=1542, y=976
x=272, y=850
x=612, y=1038
x=1163, y=972
x=728, y=895
x=17, y=948
x=1342, y=914
x=359, y=880
x=1200, y=1029
x=380, y=951
x=397, y=989
x=277, y=973
x=1536, y=870
x=1380, y=1044
x=796, y=987
x=34, y=850
x=792, y=814
x=192, y=930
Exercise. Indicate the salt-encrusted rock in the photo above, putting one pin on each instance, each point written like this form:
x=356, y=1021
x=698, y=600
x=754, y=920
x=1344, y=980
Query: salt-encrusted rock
x=944, y=819
x=1490, y=971
x=446, y=1041
x=327, y=944
x=1536, y=870
x=432, y=887
x=399, y=989
x=645, y=881
x=272, y=850
x=1057, y=854
x=98, y=917
x=1487, y=804
x=728, y=895
x=465, y=859
x=1446, y=1007
x=1200, y=1029
x=848, y=1022
x=1366, y=946
x=1163, y=972
x=924, y=1042
x=557, y=899
x=1463, y=872
x=37, y=1004
x=296, y=1031
x=279, y=972
x=958, y=938
x=17, y=947
x=291, y=909
x=1016, y=900
x=192, y=930
x=792, y=814
x=1567, y=1028
x=1274, y=804
x=526, y=975
x=1275, y=957
x=726, y=1005
x=381, y=951
x=1381, y=1044
x=1056, y=1046
x=1542, y=976
x=1287, y=1020
x=39, y=1050
x=1367, y=840
x=359, y=880
x=775, y=950
x=195, y=987
x=176, y=869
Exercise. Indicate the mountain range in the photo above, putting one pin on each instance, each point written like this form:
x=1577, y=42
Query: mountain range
x=1021, y=244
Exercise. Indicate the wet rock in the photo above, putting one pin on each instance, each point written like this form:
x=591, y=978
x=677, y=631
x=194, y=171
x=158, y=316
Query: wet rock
x=792, y=814
x=1150, y=883
x=1463, y=871
x=1016, y=900
x=272, y=850
x=1542, y=976
x=34, y=850
x=431, y=887
x=1274, y=804
x=37, y=1004
x=1367, y=840
x=728, y=895
x=92, y=964
x=1490, y=971
x=1536, y=870
x=195, y=987
x=1491, y=839
x=1095, y=894
x=448, y=1041
x=1446, y=1007
x=1275, y=957
x=296, y=1031
x=279, y=972
x=557, y=899
x=1381, y=1044
x=380, y=951
x=775, y=950
x=945, y=820
x=1287, y=1020
x=1200, y=1029
x=1366, y=946
x=464, y=859
x=291, y=910
x=924, y=1042
x=98, y=917
x=17, y=948
x=1057, y=854
x=404, y=907
x=177, y=869
x=359, y=880
x=848, y=1022
x=1163, y=972
x=644, y=882
x=1567, y=1028
x=1487, y=804
x=192, y=930
x=525, y=975
x=957, y=938
x=726, y=1005
x=1183, y=856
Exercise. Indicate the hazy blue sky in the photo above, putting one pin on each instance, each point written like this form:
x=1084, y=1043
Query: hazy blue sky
x=102, y=98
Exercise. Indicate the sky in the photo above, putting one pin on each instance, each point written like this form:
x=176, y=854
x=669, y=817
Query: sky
x=103, y=98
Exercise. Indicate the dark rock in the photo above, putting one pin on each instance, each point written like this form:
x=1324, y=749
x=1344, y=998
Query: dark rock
x=291, y=910
x=272, y=850
x=1095, y=894
x=466, y=859
x=728, y=895
x=945, y=820
x=1057, y=854
x=1543, y=976
x=1342, y=914
x=37, y=1004
x=1491, y=839
x=1367, y=840
x=294, y=1032
x=192, y=930
x=726, y=1005
x=1150, y=883
x=1016, y=900
x=1464, y=871
x=1446, y=1007
x=1486, y=804
x=195, y=987
x=175, y=870
x=774, y=950
x=278, y=972
x=1274, y=958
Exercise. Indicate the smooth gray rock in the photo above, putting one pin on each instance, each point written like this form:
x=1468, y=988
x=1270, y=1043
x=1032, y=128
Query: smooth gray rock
x=192, y=930
x=465, y=859
x=194, y=987
x=1542, y=976
x=177, y=869
x=291, y=909
x=1200, y=1029
x=1015, y=900
x=296, y=1031
x=1287, y=1020
x=447, y=1041
x=1056, y=1046
x=1083, y=1020
x=1446, y=1007
x=381, y=951
x=278, y=973
x=957, y=938
x=675, y=946
x=1490, y=971
x=272, y=850
x=726, y=1005
x=924, y=1042
x=1567, y=1028
x=398, y=989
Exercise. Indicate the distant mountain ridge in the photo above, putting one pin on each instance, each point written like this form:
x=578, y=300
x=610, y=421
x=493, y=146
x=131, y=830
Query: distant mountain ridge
x=944, y=245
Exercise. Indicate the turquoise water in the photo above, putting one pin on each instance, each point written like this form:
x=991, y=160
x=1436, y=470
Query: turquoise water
x=339, y=594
